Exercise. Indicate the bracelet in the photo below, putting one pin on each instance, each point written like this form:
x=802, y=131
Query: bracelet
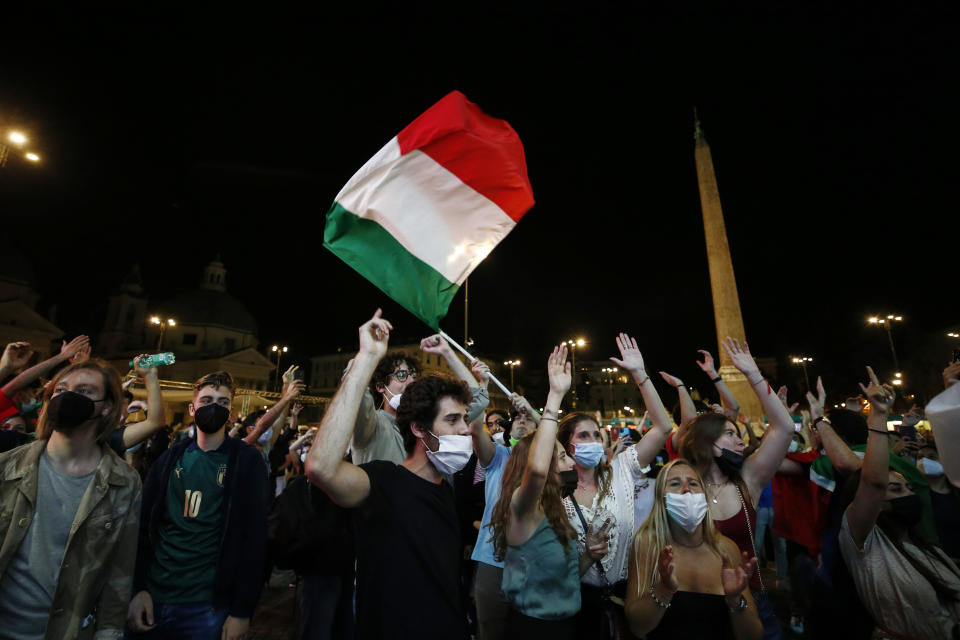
x=762, y=379
x=660, y=603
x=642, y=382
x=542, y=418
x=716, y=380
x=681, y=385
x=886, y=433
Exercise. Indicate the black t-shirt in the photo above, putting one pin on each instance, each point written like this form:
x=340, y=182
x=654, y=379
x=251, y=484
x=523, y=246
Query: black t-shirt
x=408, y=558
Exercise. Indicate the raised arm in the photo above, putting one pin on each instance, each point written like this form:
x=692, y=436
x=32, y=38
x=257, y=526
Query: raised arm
x=156, y=416
x=67, y=351
x=843, y=459
x=292, y=390
x=544, y=445
x=872, y=490
x=482, y=442
x=759, y=468
x=437, y=345
x=727, y=399
x=688, y=410
x=347, y=484
x=652, y=442
x=16, y=355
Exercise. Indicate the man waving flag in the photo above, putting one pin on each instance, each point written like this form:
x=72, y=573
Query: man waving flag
x=423, y=212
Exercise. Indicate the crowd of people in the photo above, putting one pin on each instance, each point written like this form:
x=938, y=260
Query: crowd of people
x=416, y=510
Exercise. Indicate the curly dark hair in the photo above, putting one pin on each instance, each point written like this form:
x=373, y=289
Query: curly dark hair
x=387, y=365
x=421, y=402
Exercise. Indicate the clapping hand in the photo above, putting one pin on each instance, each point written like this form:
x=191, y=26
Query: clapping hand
x=15, y=356
x=737, y=578
x=668, y=568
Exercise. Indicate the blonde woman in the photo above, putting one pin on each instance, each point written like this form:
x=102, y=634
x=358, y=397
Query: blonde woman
x=686, y=579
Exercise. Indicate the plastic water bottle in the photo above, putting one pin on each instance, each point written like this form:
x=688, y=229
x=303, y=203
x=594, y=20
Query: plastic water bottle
x=157, y=359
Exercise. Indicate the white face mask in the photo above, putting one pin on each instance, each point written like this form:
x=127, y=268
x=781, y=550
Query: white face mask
x=794, y=446
x=394, y=400
x=453, y=455
x=303, y=457
x=687, y=509
x=930, y=467
x=498, y=437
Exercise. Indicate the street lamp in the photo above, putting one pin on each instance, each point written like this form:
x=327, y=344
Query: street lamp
x=573, y=343
x=802, y=361
x=610, y=371
x=887, y=323
x=897, y=379
x=512, y=364
x=953, y=334
x=17, y=139
x=163, y=324
x=279, y=351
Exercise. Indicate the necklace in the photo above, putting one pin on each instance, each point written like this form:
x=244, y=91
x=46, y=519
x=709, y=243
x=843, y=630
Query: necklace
x=717, y=493
x=689, y=546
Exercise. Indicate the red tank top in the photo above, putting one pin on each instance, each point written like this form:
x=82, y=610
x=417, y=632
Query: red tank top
x=735, y=528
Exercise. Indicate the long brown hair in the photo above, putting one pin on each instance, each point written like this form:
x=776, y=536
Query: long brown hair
x=655, y=530
x=111, y=393
x=696, y=445
x=550, y=499
x=603, y=469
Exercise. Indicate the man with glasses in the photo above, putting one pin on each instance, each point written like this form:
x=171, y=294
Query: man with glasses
x=375, y=435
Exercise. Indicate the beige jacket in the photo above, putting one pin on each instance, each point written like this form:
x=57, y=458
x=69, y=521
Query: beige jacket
x=96, y=574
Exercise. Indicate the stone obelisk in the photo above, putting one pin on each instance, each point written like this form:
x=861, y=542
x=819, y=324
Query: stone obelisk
x=723, y=283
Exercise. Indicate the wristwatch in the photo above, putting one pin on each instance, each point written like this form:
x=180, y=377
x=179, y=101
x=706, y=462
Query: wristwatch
x=818, y=419
x=740, y=607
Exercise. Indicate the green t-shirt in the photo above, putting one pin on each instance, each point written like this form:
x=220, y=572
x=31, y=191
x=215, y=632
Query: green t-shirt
x=185, y=560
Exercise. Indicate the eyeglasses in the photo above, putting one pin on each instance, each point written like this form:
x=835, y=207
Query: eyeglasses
x=403, y=374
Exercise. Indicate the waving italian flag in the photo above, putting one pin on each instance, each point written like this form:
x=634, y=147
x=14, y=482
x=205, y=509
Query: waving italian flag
x=423, y=212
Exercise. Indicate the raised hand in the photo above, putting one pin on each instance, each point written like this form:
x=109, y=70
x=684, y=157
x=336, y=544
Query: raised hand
x=290, y=374
x=821, y=392
x=736, y=579
x=294, y=389
x=15, y=356
x=816, y=408
x=522, y=405
x=296, y=409
x=881, y=396
x=558, y=370
x=481, y=371
x=673, y=381
x=913, y=417
x=854, y=404
x=707, y=365
x=375, y=336
x=782, y=394
x=144, y=372
x=435, y=344
x=667, y=569
x=630, y=357
x=596, y=542
x=741, y=358
x=951, y=375
x=70, y=349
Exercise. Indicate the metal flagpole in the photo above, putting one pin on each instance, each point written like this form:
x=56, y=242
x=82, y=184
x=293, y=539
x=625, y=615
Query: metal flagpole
x=471, y=358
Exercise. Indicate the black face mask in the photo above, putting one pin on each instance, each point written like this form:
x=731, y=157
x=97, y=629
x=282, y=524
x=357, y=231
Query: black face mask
x=907, y=510
x=68, y=410
x=210, y=418
x=568, y=482
x=729, y=463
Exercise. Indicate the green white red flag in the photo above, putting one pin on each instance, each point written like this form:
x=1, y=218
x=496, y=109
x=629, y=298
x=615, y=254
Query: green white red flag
x=423, y=212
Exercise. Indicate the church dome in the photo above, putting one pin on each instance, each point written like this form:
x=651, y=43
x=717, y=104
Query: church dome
x=210, y=305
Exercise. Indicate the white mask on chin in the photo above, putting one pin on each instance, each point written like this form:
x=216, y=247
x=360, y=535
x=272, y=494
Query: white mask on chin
x=452, y=455
x=394, y=400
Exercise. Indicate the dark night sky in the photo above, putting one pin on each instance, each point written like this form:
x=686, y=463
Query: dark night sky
x=172, y=136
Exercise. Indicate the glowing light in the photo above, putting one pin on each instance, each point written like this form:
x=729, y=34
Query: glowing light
x=171, y=322
x=873, y=320
x=898, y=381
x=32, y=157
x=155, y=320
x=17, y=138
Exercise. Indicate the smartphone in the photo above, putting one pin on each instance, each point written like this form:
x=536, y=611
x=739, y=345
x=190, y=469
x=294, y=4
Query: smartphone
x=299, y=374
x=624, y=432
x=956, y=355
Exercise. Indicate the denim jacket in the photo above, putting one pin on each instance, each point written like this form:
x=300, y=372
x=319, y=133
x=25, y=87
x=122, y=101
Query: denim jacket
x=93, y=588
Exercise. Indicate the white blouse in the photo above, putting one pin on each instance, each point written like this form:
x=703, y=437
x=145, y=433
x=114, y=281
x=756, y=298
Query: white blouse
x=627, y=502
